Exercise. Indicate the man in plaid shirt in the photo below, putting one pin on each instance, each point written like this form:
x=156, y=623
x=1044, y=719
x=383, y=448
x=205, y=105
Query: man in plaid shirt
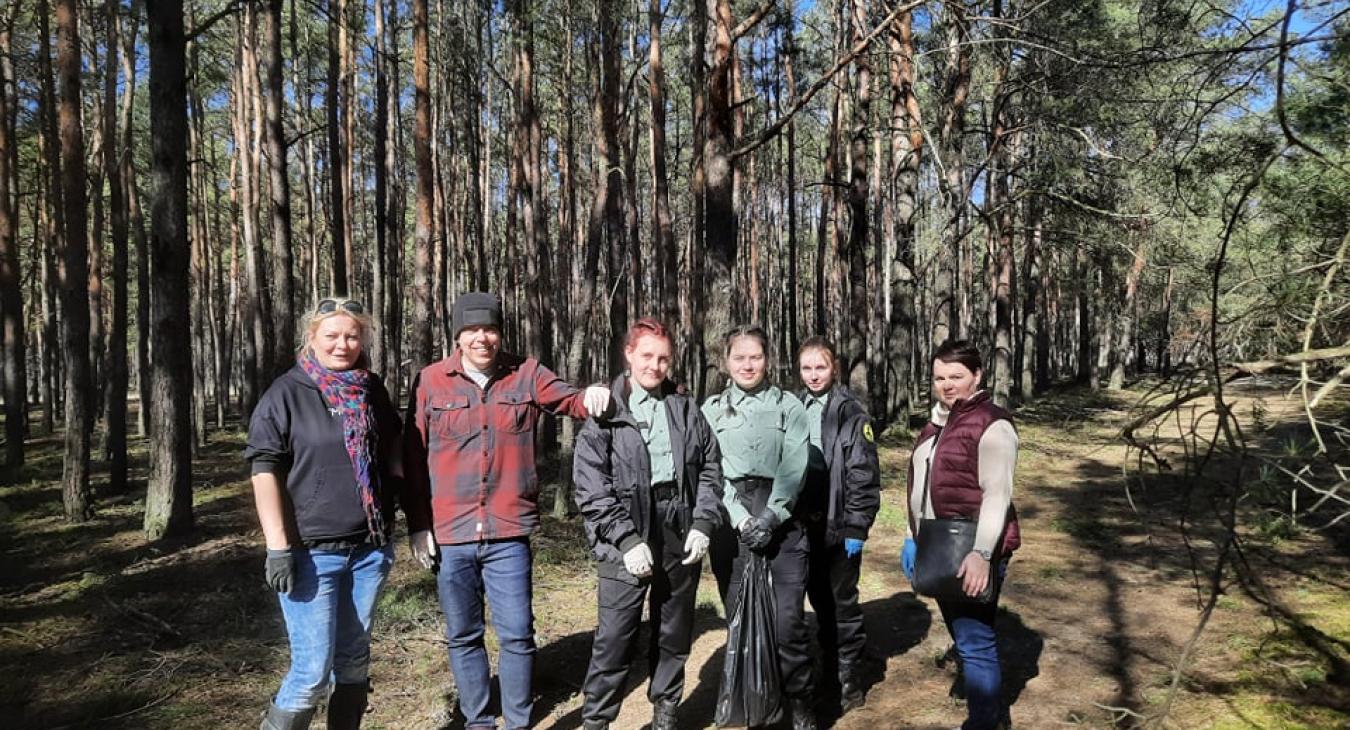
x=471, y=479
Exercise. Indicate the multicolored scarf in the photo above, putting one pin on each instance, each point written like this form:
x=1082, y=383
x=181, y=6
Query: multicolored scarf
x=347, y=391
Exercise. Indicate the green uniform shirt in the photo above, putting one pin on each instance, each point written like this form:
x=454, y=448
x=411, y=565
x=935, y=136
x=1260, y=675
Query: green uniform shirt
x=815, y=415
x=650, y=413
x=763, y=434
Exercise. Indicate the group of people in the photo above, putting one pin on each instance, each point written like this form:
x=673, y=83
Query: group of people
x=660, y=481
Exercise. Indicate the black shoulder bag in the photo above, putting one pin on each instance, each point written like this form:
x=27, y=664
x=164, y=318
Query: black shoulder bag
x=941, y=546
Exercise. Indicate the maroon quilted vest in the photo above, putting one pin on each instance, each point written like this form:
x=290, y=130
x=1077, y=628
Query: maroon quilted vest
x=954, y=480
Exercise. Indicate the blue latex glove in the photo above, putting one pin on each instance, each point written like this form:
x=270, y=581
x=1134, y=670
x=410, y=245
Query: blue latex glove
x=853, y=547
x=907, y=555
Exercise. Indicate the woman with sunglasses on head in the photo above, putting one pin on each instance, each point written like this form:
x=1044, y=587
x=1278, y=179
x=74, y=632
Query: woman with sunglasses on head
x=763, y=435
x=838, y=505
x=324, y=446
x=962, y=468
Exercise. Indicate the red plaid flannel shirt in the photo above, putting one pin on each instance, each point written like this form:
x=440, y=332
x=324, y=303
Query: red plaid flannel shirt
x=469, y=453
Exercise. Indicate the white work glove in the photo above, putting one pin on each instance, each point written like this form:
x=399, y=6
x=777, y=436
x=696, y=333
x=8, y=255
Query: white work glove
x=423, y=545
x=597, y=400
x=695, y=547
x=638, y=560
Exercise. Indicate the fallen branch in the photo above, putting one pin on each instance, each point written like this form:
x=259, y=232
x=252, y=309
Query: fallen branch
x=1261, y=367
x=147, y=618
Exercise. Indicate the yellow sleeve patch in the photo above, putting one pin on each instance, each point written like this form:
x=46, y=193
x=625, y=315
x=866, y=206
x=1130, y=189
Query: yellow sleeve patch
x=867, y=433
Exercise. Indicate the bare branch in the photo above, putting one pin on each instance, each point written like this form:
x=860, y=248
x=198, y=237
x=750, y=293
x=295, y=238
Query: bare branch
x=858, y=49
x=752, y=20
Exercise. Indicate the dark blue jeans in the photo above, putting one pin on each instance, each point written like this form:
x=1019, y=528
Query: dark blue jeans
x=972, y=628
x=501, y=570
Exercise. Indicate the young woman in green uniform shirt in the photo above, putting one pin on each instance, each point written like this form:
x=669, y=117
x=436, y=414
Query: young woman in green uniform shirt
x=763, y=434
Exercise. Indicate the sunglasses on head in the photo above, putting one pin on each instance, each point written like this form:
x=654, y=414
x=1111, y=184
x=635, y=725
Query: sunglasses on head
x=328, y=306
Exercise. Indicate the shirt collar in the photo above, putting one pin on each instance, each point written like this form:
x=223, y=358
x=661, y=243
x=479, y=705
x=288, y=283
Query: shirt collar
x=740, y=395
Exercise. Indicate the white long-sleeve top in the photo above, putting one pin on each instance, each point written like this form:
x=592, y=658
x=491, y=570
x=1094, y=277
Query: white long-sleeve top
x=998, y=461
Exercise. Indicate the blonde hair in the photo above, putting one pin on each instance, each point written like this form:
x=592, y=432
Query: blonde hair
x=312, y=318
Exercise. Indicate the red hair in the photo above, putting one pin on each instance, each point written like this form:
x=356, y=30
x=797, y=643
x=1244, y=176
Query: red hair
x=645, y=327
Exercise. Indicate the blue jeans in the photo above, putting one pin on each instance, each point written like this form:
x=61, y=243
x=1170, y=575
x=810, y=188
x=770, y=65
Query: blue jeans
x=972, y=628
x=328, y=618
x=501, y=569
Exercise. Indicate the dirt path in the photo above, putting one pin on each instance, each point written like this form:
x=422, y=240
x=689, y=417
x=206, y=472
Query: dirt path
x=98, y=629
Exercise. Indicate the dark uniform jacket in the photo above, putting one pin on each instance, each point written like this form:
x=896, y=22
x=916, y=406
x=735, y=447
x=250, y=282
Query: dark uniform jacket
x=612, y=475
x=855, y=475
x=294, y=434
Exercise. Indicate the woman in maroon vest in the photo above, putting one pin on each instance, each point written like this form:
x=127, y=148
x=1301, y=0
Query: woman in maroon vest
x=966, y=454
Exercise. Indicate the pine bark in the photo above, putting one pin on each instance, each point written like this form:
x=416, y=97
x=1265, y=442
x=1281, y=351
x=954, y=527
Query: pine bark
x=13, y=370
x=168, y=500
x=117, y=372
x=421, y=345
x=663, y=226
x=720, y=219
x=283, y=280
x=73, y=271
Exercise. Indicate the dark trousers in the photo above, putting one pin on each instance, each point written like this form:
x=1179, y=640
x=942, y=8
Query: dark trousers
x=788, y=565
x=673, y=588
x=833, y=591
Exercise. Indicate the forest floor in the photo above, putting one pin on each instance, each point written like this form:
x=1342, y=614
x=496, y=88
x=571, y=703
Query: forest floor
x=99, y=629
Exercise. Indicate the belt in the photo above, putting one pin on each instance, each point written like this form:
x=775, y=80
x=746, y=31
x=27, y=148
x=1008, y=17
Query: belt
x=664, y=491
x=751, y=484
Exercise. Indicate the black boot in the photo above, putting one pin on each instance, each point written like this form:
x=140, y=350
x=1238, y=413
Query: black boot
x=279, y=719
x=347, y=705
x=663, y=715
x=803, y=714
x=851, y=694
x=594, y=725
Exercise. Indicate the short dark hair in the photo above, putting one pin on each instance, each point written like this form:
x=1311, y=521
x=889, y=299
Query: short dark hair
x=960, y=351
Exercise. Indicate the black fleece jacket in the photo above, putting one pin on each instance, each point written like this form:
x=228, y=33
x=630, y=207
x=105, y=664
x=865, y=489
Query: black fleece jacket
x=296, y=436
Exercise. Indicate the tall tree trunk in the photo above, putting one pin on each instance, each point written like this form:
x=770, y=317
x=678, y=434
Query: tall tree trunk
x=73, y=271
x=611, y=231
x=168, y=500
x=1165, y=334
x=663, y=227
x=283, y=300
x=12, y=341
x=380, y=276
x=1000, y=217
x=577, y=315
x=117, y=340
x=136, y=219
x=422, y=325
x=720, y=221
x=337, y=210
x=1128, y=316
x=956, y=88
x=789, y=73
x=860, y=138
x=906, y=154
x=1028, y=343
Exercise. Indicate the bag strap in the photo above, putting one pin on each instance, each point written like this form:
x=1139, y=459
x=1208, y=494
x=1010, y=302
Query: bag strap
x=928, y=476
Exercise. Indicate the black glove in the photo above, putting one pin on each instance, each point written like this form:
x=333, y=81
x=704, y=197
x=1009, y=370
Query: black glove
x=281, y=570
x=758, y=531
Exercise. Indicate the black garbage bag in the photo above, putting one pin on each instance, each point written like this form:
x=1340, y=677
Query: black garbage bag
x=752, y=690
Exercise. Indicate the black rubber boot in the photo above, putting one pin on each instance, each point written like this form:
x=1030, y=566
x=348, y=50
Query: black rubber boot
x=594, y=725
x=663, y=715
x=852, y=693
x=279, y=719
x=803, y=714
x=347, y=705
